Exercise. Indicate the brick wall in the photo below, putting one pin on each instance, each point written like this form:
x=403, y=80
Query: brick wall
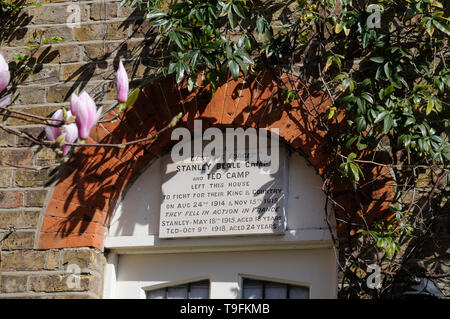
x=86, y=60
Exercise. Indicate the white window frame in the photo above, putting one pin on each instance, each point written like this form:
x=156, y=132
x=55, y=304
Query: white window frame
x=272, y=279
x=175, y=283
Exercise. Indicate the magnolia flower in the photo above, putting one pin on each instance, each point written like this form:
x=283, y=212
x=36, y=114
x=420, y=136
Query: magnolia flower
x=53, y=132
x=122, y=84
x=87, y=115
x=4, y=73
x=70, y=130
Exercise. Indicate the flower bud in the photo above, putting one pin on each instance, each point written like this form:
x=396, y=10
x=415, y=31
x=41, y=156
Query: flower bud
x=122, y=83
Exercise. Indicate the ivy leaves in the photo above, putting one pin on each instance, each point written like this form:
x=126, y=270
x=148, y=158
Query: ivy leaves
x=196, y=29
x=394, y=89
x=351, y=169
x=387, y=235
x=402, y=89
x=233, y=10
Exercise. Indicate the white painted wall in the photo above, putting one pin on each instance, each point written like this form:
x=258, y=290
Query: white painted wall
x=303, y=255
x=313, y=268
x=138, y=214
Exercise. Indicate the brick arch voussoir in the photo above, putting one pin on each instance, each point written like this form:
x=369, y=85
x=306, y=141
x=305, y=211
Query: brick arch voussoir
x=94, y=179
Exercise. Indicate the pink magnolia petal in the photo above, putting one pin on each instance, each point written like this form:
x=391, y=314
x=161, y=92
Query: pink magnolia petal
x=82, y=114
x=91, y=108
x=4, y=101
x=65, y=149
x=3, y=65
x=96, y=118
x=50, y=134
x=122, y=83
x=71, y=131
x=51, y=131
x=4, y=79
x=74, y=103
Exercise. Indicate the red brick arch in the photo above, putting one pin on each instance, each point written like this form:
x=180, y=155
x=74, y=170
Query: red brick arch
x=94, y=179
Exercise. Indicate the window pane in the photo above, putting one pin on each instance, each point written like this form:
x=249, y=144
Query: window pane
x=156, y=294
x=275, y=291
x=199, y=293
x=195, y=290
x=259, y=289
x=297, y=292
x=199, y=290
x=177, y=292
x=252, y=289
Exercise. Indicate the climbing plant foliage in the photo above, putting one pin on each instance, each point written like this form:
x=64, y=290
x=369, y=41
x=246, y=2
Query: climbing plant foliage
x=384, y=62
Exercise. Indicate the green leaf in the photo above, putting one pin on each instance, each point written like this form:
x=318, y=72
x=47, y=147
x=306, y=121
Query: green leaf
x=180, y=73
x=241, y=64
x=420, y=144
x=245, y=56
x=430, y=106
x=132, y=98
x=380, y=116
x=442, y=26
x=387, y=71
x=160, y=22
x=360, y=145
x=366, y=96
x=194, y=58
x=260, y=23
x=350, y=141
x=410, y=120
x=232, y=19
x=423, y=129
x=155, y=14
x=239, y=10
x=377, y=59
x=234, y=69
x=208, y=61
x=387, y=124
x=229, y=51
x=388, y=91
x=339, y=26
x=366, y=82
x=174, y=36
x=360, y=124
x=351, y=157
x=404, y=140
x=355, y=171
x=172, y=67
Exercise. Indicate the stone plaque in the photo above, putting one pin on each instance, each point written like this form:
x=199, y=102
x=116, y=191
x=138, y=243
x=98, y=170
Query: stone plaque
x=218, y=198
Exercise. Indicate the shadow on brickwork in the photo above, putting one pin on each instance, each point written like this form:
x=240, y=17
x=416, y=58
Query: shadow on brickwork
x=95, y=179
x=423, y=254
x=140, y=60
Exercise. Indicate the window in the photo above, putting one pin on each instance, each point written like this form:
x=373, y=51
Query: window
x=258, y=289
x=192, y=290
